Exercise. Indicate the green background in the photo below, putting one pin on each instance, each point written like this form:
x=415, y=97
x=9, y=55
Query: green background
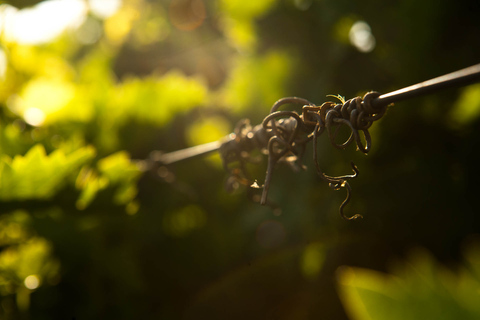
x=109, y=241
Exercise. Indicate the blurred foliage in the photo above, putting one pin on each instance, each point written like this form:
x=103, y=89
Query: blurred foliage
x=239, y=20
x=255, y=82
x=467, y=108
x=115, y=170
x=416, y=289
x=87, y=232
x=36, y=175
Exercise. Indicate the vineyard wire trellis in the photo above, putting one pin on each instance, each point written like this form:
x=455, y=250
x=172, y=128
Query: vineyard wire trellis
x=283, y=135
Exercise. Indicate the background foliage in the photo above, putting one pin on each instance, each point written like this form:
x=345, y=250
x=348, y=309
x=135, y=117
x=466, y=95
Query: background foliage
x=85, y=233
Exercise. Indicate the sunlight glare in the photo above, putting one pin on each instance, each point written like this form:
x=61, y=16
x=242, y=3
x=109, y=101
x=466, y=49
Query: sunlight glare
x=44, y=21
x=104, y=8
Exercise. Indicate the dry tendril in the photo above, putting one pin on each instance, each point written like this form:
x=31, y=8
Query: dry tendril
x=283, y=136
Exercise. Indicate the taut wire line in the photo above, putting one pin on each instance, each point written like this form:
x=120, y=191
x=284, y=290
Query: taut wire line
x=283, y=134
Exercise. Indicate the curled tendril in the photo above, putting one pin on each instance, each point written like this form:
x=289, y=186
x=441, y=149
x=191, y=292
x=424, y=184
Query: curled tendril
x=346, y=185
x=283, y=135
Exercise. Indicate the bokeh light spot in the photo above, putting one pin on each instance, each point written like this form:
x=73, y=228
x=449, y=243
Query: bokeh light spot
x=34, y=116
x=187, y=15
x=183, y=221
x=41, y=98
x=466, y=109
x=32, y=282
x=312, y=260
x=361, y=37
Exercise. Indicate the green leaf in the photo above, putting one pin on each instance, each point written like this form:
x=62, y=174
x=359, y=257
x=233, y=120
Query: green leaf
x=37, y=175
x=419, y=289
x=121, y=172
x=115, y=171
x=90, y=183
x=119, y=168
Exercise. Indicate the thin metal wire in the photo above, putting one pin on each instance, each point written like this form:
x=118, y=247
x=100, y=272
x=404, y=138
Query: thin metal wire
x=188, y=153
x=455, y=79
x=283, y=134
x=458, y=78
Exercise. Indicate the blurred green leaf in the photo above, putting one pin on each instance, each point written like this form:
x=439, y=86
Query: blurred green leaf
x=257, y=82
x=38, y=175
x=116, y=171
x=39, y=62
x=90, y=183
x=157, y=99
x=31, y=258
x=419, y=289
x=467, y=108
x=120, y=171
x=15, y=227
x=366, y=294
x=239, y=19
x=45, y=101
x=12, y=138
x=118, y=26
x=208, y=129
x=185, y=220
x=250, y=9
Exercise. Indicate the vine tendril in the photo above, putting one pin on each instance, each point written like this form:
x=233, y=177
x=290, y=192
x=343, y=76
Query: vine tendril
x=283, y=136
